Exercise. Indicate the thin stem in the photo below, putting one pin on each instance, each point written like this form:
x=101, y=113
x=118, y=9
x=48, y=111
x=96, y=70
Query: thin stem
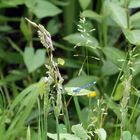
x=127, y=12
x=57, y=128
x=3, y=98
x=5, y=90
x=116, y=130
x=104, y=32
x=39, y=120
x=66, y=116
x=77, y=108
x=133, y=111
x=45, y=117
x=118, y=78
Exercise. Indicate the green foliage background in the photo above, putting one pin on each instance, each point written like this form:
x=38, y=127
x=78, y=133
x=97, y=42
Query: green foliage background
x=109, y=55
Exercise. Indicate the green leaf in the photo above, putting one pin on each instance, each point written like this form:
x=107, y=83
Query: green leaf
x=63, y=136
x=62, y=128
x=81, y=40
x=77, y=82
x=12, y=57
x=126, y=135
x=109, y=68
x=86, y=117
x=10, y=3
x=136, y=66
x=33, y=60
x=15, y=46
x=61, y=3
x=135, y=20
x=5, y=28
x=117, y=13
x=134, y=4
x=114, y=55
x=133, y=36
x=15, y=75
x=22, y=96
x=84, y=3
x=24, y=108
x=79, y=131
x=113, y=106
x=5, y=19
x=119, y=92
x=71, y=63
x=25, y=30
x=42, y=8
x=134, y=137
x=92, y=15
x=81, y=81
x=101, y=133
x=53, y=26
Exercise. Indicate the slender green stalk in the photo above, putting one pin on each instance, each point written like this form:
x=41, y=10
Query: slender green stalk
x=127, y=13
x=45, y=116
x=69, y=16
x=57, y=128
x=3, y=97
x=66, y=116
x=116, y=130
x=78, y=108
x=104, y=26
x=118, y=78
x=5, y=90
x=133, y=111
x=39, y=120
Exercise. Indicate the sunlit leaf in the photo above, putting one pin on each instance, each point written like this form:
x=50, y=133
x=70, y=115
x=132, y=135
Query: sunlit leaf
x=135, y=20
x=82, y=92
x=79, y=131
x=126, y=135
x=101, y=133
x=134, y=4
x=134, y=137
x=81, y=81
x=64, y=136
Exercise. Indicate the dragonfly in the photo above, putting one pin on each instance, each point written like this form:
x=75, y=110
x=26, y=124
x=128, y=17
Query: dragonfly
x=79, y=91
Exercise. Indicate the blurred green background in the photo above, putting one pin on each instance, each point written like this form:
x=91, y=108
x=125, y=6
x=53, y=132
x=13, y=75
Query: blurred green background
x=98, y=40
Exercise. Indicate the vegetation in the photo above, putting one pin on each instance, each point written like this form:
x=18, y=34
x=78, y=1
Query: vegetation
x=69, y=70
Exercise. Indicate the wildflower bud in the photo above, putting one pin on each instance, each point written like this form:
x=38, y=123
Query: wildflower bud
x=92, y=94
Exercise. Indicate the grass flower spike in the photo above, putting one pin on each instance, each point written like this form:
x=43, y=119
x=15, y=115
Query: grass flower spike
x=43, y=34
